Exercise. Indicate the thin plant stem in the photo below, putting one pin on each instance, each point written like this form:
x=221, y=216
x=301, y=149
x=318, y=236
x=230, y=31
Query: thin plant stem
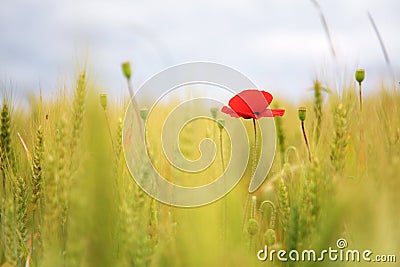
x=33, y=235
x=253, y=208
x=136, y=108
x=306, y=140
x=273, y=213
x=109, y=131
x=253, y=168
x=213, y=130
x=325, y=25
x=362, y=146
x=254, y=164
x=221, y=150
x=4, y=184
x=225, y=204
x=381, y=43
x=362, y=154
x=246, y=206
x=360, y=89
x=130, y=88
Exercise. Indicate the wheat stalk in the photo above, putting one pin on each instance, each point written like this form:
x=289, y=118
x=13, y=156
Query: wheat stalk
x=339, y=143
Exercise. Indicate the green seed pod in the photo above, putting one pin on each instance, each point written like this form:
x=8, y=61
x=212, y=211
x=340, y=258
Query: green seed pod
x=360, y=75
x=126, y=69
x=221, y=124
x=302, y=113
x=214, y=112
x=143, y=113
x=252, y=227
x=103, y=101
x=269, y=237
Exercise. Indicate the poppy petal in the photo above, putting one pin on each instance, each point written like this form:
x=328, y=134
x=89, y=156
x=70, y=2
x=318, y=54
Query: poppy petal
x=229, y=111
x=272, y=113
x=247, y=115
x=250, y=102
x=268, y=97
x=240, y=103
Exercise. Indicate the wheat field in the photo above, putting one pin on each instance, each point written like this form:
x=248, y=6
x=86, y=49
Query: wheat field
x=67, y=197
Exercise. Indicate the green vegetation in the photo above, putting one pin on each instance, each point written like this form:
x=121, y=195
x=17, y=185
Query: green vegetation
x=67, y=198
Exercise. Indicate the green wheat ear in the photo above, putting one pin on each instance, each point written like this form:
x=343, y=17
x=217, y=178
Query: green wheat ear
x=78, y=110
x=37, y=187
x=8, y=233
x=281, y=137
x=21, y=198
x=153, y=222
x=318, y=99
x=339, y=143
x=37, y=167
x=7, y=153
x=284, y=206
x=293, y=231
x=118, y=143
x=310, y=209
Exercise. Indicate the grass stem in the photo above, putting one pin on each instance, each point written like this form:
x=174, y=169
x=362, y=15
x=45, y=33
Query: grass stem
x=306, y=140
x=360, y=91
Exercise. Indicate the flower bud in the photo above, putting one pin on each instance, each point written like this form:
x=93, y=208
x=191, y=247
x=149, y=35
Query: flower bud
x=270, y=237
x=143, y=113
x=214, y=112
x=126, y=69
x=302, y=113
x=360, y=75
x=252, y=227
x=103, y=101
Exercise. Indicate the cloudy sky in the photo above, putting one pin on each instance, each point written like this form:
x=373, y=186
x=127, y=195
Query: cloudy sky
x=281, y=45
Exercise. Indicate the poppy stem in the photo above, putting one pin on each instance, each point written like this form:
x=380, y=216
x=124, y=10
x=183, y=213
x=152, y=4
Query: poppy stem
x=255, y=131
x=253, y=169
x=221, y=150
x=362, y=144
x=306, y=140
x=136, y=108
x=255, y=148
x=225, y=204
x=360, y=90
x=109, y=131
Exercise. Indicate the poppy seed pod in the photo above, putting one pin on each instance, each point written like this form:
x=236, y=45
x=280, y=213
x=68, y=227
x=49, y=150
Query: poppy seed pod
x=269, y=237
x=126, y=69
x=252, y=227
x=143, y=113
x=360, y=75
x=302, y=113
x=103, y=101
x=214, y=112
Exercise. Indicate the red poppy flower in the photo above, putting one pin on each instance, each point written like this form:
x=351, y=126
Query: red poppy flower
x=251, y=104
